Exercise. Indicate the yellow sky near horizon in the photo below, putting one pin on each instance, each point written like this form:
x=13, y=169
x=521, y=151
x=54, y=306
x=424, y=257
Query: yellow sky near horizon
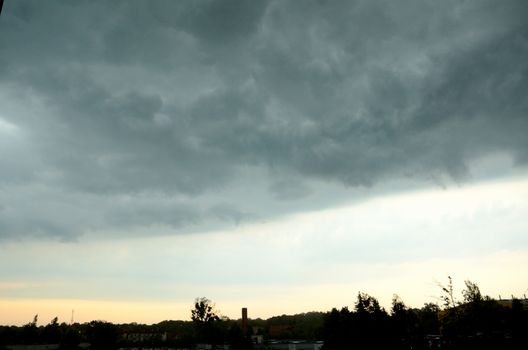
x=415, y=283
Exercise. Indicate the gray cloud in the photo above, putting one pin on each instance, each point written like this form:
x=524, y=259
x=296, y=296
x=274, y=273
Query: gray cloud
x=184, y=107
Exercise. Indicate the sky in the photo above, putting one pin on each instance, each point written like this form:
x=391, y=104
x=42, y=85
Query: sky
x=272, y=155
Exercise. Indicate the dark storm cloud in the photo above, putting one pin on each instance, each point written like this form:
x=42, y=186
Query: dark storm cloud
x=171, y=103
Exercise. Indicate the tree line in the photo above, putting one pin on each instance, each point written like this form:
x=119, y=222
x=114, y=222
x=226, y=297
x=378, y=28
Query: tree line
x=473, y=321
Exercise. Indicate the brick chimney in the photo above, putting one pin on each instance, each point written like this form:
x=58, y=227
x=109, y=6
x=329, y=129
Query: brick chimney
x=244, y=320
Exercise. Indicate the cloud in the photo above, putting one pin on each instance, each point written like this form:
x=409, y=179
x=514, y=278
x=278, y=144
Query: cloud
x=183, y=108
x=412, y=237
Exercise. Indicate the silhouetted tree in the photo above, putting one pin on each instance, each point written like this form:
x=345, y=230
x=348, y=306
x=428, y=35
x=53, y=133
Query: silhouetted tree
x=51, y=332
x=207, y=322
x=71, y=336
x=370, y=323
x=448, y=296
x=519, y=324
x=476, y=322
x=30, y=334
x=471, y=293
x=428, y=321
x=402, y=324
x=204, y=311
x=337, y=328
x=102, y=335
